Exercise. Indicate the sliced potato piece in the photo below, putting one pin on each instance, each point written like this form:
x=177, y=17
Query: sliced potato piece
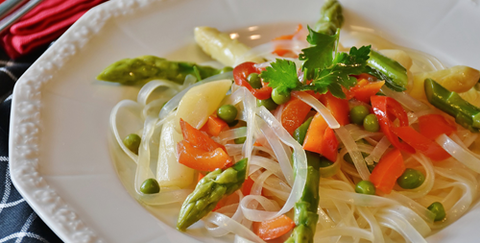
x=201, y=101
x=221, y=47
x=457, y=78
x=170, y=173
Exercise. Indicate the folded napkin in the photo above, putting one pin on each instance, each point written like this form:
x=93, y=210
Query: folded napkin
x=45, y=23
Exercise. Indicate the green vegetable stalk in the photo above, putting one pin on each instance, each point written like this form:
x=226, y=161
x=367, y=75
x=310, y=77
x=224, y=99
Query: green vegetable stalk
x=132, y=71
x=209, y=191
x=466, y=114
x=305, y=210
x=331, y=18
x=394, y=74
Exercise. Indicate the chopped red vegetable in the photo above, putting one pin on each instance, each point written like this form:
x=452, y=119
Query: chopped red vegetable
x=421, y=143
x=434, y=125
x=198, y=138
x=247, y=186
x=294, y=114
x=321, y=139
x=274, y=228
x=387, y=110
x=366, y=89
x=240, y=74
x=200, y=152
x=387, y=171
x=214, y=126
x=202, y=160
x=338, y=107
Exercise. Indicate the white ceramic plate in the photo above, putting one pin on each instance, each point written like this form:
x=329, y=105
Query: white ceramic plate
x=60, y=159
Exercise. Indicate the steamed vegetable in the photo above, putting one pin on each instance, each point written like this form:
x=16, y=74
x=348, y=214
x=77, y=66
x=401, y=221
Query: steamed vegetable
x=169, y=171
x=132, y=71
x=221, y=47
x=394, y=74
x=331, y=18
x=202, y=101
x=450, y=102
x=457, y=79
x=209, y=191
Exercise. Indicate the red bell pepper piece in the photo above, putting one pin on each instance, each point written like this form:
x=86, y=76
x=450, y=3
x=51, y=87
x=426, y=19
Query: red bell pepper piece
x=338, y=107
x=421, y=143
x=434, y=125
x=365, y=89
x=240, y=74
x=200, y=152
x=294, y=114
x=387, y=109
x=247, y=186
x=321, y=139
x=202, y=160
x=214, y=126
x=387, y=171
x=197, y=138
x=273, y=228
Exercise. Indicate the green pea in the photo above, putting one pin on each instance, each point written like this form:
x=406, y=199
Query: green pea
x=365, y=187
x=411, y=179
x=228, y=113
x=358, y=113
x=254, y=80
x=150, y=186
x=438, y=209
x=268, y=103
x=132, y=142
x=240, y=140
x=280, y=98
x=370, y=123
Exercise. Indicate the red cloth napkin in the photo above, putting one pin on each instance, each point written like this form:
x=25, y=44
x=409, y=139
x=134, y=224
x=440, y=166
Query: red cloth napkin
x=43, y=24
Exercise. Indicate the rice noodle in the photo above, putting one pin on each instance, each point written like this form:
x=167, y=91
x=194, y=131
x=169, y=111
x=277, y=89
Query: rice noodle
x=459, y=152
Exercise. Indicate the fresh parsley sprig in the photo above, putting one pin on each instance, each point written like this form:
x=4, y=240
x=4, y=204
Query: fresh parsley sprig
x=325, y=69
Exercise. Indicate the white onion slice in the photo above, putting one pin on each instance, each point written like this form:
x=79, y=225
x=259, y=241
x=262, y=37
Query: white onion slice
x=460, y=153
x=319, y=107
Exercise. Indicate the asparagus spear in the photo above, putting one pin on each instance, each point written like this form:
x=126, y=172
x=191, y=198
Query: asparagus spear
x=209, y=191
x=137, y=70
x=305, y=210
x=394, y=74
x=331, y=18
x=466, y=114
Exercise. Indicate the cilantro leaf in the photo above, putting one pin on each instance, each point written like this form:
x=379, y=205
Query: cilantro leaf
x=339, y=73
x=282, y=75
x=321, y=52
